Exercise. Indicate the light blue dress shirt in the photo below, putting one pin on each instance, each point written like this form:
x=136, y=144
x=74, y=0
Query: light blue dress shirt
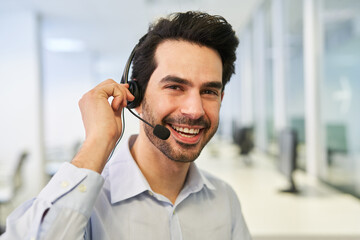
x=120, y=204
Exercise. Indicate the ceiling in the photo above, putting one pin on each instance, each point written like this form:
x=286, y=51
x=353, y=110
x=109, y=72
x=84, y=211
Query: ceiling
x=112, y=27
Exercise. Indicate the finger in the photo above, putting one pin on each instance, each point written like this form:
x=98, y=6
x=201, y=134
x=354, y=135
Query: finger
x=106, y=82
x=118, y=120
x=111, y=88
x=121, y=98
x=119, y=92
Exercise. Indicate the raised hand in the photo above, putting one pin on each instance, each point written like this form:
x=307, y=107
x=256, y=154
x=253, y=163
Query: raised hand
x=102, y=122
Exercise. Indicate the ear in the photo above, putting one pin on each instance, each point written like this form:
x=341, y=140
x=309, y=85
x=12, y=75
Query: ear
x=138, y=109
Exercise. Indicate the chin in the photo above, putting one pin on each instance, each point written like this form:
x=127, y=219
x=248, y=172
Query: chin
x=188, y=153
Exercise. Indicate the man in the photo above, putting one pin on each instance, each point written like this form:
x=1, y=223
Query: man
x=150, y=188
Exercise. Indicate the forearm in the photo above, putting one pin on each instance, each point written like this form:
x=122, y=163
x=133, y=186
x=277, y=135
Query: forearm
x=63, y=207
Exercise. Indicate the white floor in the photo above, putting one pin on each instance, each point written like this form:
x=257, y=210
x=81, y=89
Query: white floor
x=318, y=212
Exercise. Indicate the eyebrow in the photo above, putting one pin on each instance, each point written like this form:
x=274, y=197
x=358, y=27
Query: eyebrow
x=175, y=79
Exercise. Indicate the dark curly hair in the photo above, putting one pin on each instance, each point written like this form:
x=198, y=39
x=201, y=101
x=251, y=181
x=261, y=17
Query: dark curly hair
x=212, y=31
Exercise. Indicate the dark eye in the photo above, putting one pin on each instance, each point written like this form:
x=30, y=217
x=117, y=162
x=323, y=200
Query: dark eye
x=211, y=92
x=174, y=87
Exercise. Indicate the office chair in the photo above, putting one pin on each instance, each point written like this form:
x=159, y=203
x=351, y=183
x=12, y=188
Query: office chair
x=10, y=185
x=288, y=142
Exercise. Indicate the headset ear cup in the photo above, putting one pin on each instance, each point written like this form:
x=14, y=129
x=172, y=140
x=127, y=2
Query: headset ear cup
x=135, y=90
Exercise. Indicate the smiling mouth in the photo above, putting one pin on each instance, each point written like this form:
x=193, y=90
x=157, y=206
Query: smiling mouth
x=186, y=132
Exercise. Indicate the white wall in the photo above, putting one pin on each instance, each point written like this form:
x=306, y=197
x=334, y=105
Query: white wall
x=20, y=96
x=67, y=76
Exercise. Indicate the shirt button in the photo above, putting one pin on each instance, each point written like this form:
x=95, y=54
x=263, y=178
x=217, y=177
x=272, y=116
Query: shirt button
x=64, y=184
x=82, y=188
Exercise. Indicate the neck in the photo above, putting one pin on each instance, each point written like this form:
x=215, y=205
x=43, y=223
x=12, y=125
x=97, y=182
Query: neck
x=164, y=176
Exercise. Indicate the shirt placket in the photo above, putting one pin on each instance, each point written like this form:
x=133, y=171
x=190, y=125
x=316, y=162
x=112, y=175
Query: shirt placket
x=175, y=229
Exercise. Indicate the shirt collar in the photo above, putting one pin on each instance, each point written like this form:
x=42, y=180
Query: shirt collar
x=196, y=179
x=126, y=180
x=124, y=176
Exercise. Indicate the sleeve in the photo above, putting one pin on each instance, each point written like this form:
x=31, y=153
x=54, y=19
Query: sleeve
x=239, y=227
x=61, y=210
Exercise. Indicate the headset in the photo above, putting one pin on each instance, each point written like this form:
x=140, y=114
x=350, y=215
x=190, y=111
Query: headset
x=159, y=131
x=134, y=87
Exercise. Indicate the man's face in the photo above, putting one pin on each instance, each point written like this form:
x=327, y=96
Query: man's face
x=184, y=94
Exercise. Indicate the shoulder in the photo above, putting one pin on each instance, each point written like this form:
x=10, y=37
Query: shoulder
x=219, y=185
x=226, y=195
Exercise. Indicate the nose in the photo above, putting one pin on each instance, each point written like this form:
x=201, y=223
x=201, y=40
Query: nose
x=192, y=106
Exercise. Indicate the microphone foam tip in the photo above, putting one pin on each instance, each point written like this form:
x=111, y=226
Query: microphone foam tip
x=161, y=132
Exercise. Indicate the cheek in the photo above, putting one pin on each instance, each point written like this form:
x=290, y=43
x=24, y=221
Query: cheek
x=212, y=112
x=162, y=106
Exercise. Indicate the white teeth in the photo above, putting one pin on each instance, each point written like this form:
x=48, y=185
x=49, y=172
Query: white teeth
x=186, y=130
x=184, y=135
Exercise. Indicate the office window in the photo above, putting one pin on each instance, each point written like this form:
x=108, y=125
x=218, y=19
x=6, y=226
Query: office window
x=340, y=75
x=67, y=74
x=269, y=91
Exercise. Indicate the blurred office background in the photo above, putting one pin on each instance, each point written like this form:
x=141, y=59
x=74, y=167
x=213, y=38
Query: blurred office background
x=298, y=70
